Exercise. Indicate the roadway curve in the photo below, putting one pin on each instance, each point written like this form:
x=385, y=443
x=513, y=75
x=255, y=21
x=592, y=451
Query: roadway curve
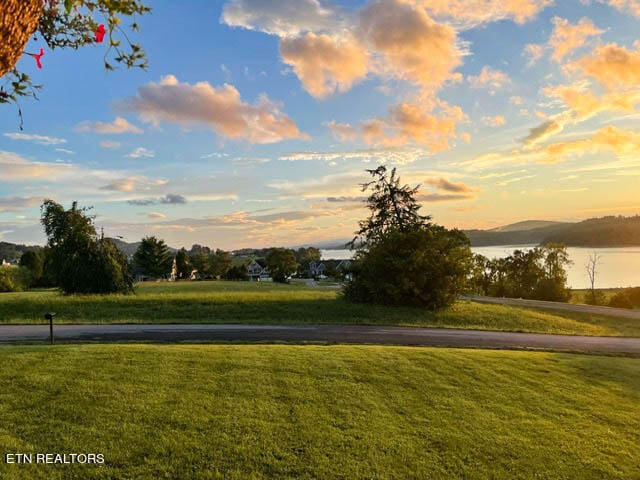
x=383, y=335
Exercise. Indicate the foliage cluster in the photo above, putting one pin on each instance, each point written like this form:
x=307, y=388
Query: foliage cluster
x=14, y=279
x=628, y=298
x=402, y=258
x=539, y=274
x=80, y=260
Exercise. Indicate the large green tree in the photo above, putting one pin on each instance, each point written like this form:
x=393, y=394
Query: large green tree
x=281, y=263
x=200, y=259
x=153, y=258
x=80, y=260
x=219, y=263
x=402, y=258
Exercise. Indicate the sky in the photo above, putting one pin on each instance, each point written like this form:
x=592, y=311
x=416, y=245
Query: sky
x=256, y=120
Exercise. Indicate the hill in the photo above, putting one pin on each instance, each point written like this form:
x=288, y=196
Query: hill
x=595, y=232
x=526, y=225
x=11, y=252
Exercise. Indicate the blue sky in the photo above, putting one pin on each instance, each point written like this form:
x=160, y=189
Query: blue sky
x=256, y=119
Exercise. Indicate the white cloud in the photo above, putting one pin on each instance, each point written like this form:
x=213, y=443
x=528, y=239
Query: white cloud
x=284, y=18
x=39, y=139
x=142, y=152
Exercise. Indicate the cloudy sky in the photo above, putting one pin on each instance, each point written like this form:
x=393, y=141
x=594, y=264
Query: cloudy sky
x=257, y=119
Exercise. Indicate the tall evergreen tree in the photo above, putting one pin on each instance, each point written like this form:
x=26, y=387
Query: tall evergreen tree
x=402, y=258
x=153, y=258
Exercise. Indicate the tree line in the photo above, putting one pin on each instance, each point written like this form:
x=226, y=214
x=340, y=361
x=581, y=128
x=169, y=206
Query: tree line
x=77, y=259
x=539, y=273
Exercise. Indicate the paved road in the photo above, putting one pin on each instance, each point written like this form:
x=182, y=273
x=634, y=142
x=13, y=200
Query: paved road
x=518, y=302
x=320, y=333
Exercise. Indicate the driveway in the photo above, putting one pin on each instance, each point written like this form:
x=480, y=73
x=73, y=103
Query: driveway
x=349, y=334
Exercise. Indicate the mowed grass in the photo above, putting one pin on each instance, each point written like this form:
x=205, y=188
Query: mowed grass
x=268, y=303
x=240, y=412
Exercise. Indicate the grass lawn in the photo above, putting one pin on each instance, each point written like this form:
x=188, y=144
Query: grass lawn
x=186, y=411
x=244, y=302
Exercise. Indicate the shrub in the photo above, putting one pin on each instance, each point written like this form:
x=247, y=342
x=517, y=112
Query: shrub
x=426, y=267
x=621, y=300
x=14, y=279
x=634, y=295
x=595, y=297
x=238, y=272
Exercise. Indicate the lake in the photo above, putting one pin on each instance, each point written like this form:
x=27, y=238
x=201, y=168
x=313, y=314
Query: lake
x=618, y=267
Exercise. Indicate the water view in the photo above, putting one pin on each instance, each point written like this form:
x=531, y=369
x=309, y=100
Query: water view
x=618, y=267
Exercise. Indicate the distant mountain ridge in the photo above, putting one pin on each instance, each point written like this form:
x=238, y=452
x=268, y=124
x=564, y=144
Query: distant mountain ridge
x=595, y=232
x=527, y=225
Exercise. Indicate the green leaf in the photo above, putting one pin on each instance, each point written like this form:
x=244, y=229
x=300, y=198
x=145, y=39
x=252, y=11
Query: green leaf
x=68, y=5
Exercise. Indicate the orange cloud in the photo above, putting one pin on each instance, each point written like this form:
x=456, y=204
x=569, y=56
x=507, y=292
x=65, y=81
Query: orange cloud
x=613, y=66
x=412, y=123
x=582, y=105
x=566, y=38
x=621, y=142
x=496, y=121
x=343, y=131
x=489, y=78
x=469, y=13
x=585, y=104
x=404, y=34
x=119, y=125
x=630, y=6
x=324, y=64
x=221, y=109
x=534, y=52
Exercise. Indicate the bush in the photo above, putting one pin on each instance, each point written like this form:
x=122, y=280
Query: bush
x=595, y=297
x=634, y=295
x=14, y=279
x=552, y=291
x=426, y=267
x=238, y=272
x=621, y=300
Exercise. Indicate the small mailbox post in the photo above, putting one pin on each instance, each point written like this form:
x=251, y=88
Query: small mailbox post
x=49, y=316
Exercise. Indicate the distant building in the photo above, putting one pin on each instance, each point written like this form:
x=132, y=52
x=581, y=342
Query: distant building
x=258, y=271
x=317, y=270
